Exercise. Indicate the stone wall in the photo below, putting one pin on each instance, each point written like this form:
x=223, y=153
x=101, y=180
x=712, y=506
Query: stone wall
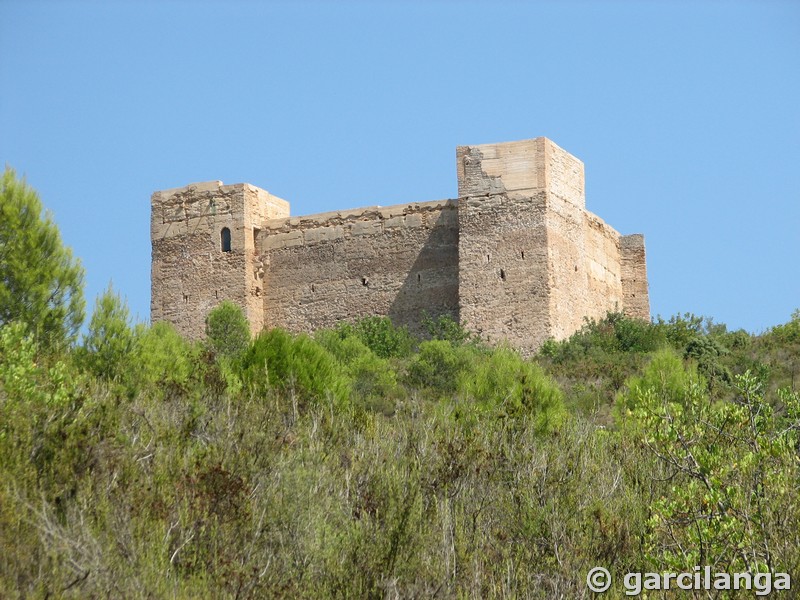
x=400, y=261
x=636, y=298
x=545, y=263
x=566, y=240
x=604, y=282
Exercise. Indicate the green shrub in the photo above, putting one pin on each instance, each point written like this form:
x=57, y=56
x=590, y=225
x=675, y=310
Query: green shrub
x=665, y=376
x=681, y=329
x=732, y=467
x=381, y=336
x=299, y=364
x=788, y=333
x=504, y=383
x=438, y=366
x=374, y=380
x=163, y=359
x=110, y=340
x=343, y=344
x=444, y=327
x=707, y=352
x=634, y=335
x=43, y=411
x=227, y=330
x=614, y=334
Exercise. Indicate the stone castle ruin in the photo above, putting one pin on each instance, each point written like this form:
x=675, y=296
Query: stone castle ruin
x=517, y=257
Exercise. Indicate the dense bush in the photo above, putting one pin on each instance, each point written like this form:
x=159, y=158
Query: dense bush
x=374, y=382
x=444, y=327
x=299, y=366
x=788, y=333
x=667, y=376
x=109, y=342
x=164, y=360
x=475, y=479
x=438, y=366
x=612, y=335
x=507, y=384
x=227, y=330
x=730, y=466
x=381, y=336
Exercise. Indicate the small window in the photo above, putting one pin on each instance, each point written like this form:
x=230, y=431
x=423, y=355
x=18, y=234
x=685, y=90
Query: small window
x=225, y=238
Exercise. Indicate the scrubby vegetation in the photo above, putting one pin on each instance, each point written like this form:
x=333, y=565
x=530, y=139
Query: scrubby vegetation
x=363, y=462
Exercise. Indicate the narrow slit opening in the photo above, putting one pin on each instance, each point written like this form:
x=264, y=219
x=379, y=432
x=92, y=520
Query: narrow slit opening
x=225, y=239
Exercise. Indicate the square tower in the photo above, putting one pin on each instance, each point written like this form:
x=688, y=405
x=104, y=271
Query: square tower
x=205, y=251
x=533, y=262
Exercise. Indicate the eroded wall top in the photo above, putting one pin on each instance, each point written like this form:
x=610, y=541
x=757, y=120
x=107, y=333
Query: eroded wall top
x=519, y=169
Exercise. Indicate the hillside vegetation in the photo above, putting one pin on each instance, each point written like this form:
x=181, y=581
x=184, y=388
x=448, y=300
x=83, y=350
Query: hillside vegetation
x=363, y=462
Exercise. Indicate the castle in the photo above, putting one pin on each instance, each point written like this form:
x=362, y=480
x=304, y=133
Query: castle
x=517, y=257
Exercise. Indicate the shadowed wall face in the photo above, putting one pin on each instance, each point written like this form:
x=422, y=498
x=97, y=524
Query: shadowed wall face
x=399, y=261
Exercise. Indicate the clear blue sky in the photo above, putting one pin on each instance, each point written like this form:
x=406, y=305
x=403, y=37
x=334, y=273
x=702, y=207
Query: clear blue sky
x=686, y=115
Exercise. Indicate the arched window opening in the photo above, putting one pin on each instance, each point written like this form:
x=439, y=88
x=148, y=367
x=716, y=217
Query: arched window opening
x=225, y=238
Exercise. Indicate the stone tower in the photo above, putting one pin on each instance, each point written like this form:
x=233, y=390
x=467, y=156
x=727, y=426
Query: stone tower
x=204, y=240
x=533, y=262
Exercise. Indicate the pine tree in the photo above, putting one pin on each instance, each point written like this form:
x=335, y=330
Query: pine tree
x=41, y=284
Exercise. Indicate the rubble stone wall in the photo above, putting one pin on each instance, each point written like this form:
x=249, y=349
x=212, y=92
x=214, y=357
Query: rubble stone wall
x=400, y=261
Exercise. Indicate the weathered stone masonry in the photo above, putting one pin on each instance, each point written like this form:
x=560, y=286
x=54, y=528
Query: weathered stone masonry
x=516, y=257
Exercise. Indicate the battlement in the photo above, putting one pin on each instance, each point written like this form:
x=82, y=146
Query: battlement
x=516, y=257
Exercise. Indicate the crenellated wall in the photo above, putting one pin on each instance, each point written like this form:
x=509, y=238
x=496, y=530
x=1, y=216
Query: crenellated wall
x=516, y=258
